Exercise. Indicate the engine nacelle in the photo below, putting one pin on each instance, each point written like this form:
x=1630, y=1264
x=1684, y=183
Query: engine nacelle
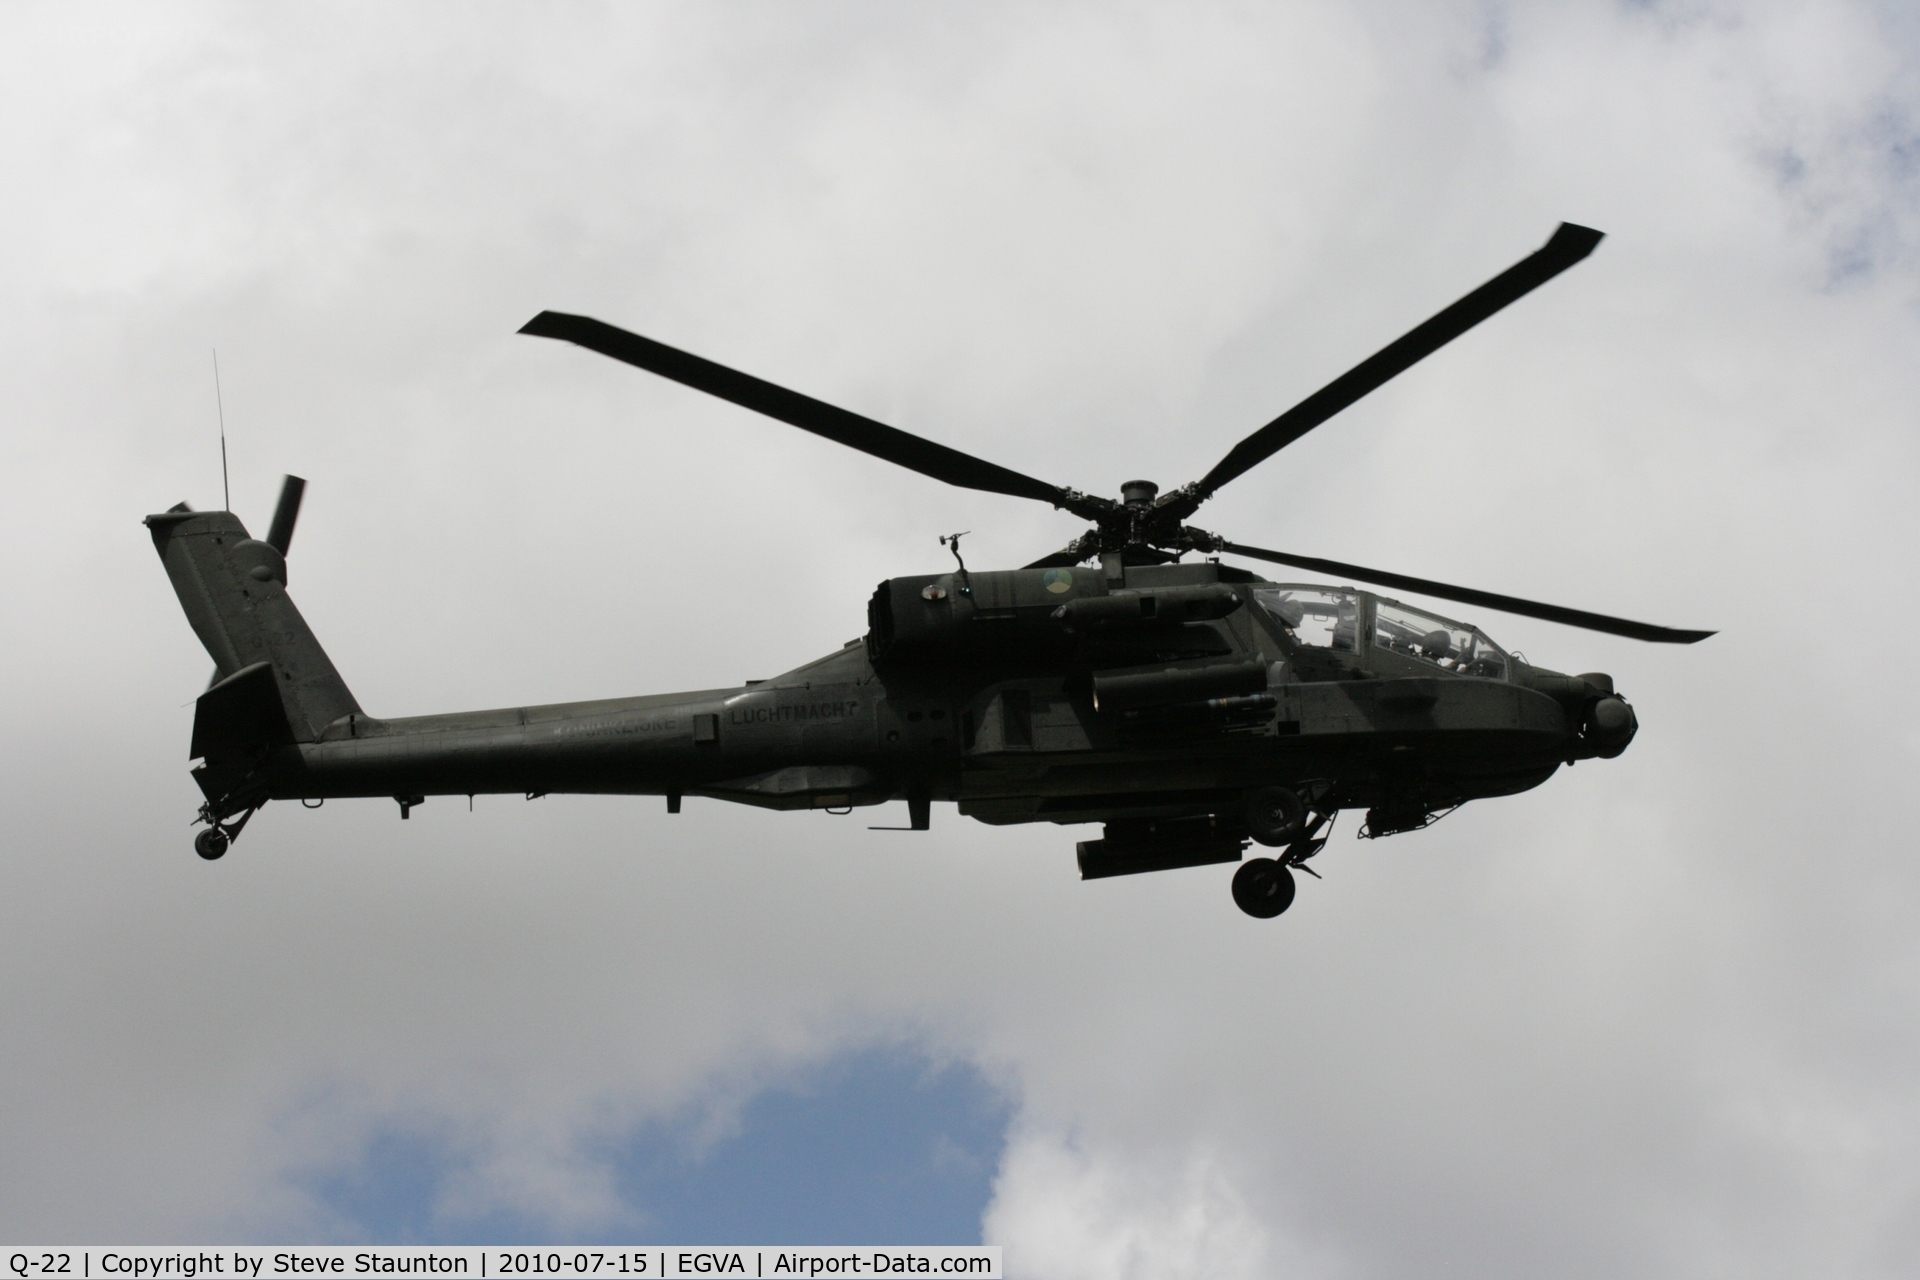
x=1130, y=688
x=998, y=616
x=1165, y=606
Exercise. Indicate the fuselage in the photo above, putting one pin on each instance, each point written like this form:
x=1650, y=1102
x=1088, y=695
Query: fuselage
x=997, y=705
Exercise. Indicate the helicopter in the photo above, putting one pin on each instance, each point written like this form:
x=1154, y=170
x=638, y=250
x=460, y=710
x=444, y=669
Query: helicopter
x=1191, y=707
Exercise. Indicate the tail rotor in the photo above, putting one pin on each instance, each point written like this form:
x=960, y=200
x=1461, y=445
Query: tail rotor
x=285, y=513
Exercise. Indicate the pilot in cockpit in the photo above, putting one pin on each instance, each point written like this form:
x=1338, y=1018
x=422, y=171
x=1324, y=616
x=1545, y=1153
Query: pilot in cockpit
x=1313, y=617
x=1437, y=647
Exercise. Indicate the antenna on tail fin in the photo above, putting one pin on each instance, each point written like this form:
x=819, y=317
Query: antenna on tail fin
x=219, y=404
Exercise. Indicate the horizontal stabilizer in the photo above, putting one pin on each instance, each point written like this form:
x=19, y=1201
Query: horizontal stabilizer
x=241, y=714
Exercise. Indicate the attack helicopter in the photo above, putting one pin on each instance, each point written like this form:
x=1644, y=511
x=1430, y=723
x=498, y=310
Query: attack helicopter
x=1191, y=707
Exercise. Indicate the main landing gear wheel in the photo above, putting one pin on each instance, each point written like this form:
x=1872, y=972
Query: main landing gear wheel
x=1263, y=888
x=211, y=843
x=1276, y=816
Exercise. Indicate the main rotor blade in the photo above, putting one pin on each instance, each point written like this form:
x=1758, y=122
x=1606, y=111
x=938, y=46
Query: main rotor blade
x=285, y=513
x=1569, y=245
x=1485, y=599
x=894, y=445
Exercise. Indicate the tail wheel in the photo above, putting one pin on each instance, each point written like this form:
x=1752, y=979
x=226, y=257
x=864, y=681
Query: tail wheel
x=211, y=843
x=1263, y=888
x=1276, y=816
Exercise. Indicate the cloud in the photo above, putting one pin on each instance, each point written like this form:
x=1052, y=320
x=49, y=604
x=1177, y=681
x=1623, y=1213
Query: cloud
x=1651, y=1018
x=1066, y=1213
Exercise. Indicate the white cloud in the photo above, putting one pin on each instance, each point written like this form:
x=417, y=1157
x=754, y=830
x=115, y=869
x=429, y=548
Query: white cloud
x=1060, y=1212
x=1651, y=1018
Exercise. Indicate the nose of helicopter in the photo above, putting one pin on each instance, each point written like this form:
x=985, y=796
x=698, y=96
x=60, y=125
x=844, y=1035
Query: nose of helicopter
x=1610, y=726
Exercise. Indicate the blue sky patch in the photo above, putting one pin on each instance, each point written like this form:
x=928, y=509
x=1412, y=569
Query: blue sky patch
x=875, y=1147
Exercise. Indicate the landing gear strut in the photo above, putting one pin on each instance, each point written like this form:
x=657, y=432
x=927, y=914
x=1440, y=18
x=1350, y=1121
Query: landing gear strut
x=219, y=836
x=1264, y=887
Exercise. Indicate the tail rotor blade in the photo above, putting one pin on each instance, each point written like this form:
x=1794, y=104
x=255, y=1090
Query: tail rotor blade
x=286, y=513
x=1485, y=599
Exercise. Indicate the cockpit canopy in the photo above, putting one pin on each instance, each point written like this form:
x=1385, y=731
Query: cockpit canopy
x=1339, y=620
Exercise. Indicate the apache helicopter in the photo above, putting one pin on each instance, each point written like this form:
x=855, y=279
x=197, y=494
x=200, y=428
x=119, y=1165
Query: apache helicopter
x=1190, y=707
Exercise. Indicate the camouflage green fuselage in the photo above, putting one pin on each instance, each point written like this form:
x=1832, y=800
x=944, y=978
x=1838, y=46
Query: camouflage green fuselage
x=1009, y=726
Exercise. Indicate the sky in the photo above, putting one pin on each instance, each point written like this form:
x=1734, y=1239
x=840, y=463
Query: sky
x=1660, y=1016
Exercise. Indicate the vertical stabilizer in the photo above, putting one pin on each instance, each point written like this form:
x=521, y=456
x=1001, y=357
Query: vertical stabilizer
x=234, y=590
